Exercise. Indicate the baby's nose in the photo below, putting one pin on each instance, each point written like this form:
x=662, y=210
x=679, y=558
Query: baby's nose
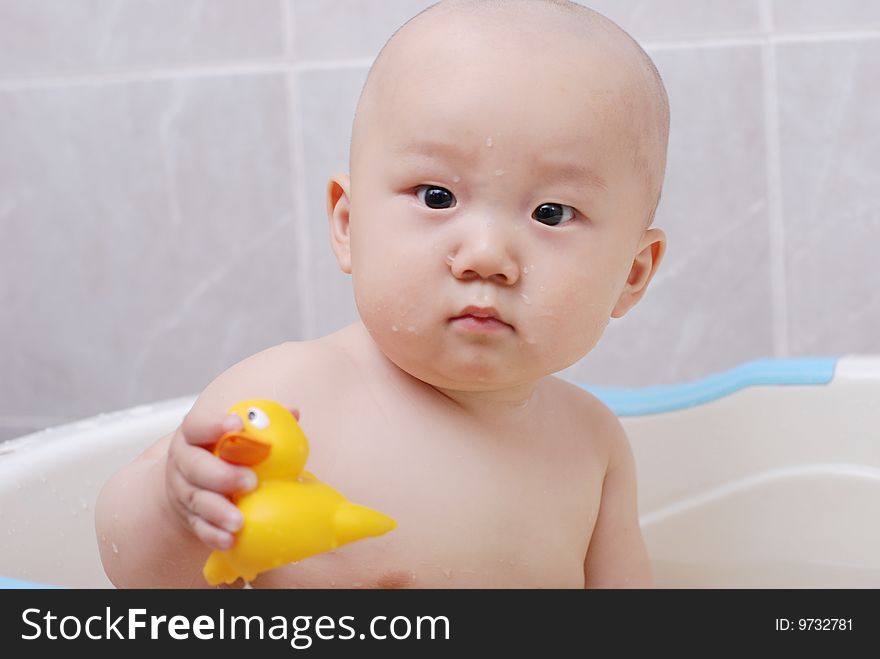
x=485, y=252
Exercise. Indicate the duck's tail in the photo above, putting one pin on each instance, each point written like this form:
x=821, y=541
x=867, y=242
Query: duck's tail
x=354, y=522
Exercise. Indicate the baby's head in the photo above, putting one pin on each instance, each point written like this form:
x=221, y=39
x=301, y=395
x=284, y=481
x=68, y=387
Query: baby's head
x=506, y=155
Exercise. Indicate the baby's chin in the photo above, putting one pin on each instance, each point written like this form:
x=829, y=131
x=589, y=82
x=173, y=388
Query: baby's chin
x=450, y=362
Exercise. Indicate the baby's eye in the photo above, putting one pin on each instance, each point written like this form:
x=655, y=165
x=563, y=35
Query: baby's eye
x=257, y=417
x=553, y=214
x=435, y=196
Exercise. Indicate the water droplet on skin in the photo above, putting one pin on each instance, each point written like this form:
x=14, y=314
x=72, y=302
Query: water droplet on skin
x=525, y=298
x=541, y=288
x=103, y=538
x=450, y=259
x=525, y=270
x=456, y=179
x=499, y=172
x=411, y=329
x=115, y=548
x=489, y=142
x=394, y=328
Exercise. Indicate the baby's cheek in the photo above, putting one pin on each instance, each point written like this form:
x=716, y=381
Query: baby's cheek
x=391, y=298
x=575, y=320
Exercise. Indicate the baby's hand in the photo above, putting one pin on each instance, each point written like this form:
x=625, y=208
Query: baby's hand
x=198, y=482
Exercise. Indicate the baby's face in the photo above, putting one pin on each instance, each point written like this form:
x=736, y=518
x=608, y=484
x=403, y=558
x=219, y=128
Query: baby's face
x=496, y=181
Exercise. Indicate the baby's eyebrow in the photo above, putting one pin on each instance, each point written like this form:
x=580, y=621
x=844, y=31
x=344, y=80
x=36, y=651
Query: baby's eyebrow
x=435, y=149
x=568, y=172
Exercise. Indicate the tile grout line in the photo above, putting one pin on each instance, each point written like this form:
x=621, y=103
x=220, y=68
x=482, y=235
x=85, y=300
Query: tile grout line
x=306, y=319
x=759, y=39
x=773, y=151
x=286, y=64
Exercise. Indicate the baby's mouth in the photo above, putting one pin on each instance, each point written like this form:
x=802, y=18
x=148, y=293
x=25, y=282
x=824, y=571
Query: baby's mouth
x=480, y=318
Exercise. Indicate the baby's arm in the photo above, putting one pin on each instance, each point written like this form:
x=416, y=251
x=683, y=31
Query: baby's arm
x=159, y=517
x=617, y=557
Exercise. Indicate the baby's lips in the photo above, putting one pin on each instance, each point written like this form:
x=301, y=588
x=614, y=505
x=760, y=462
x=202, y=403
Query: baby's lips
x=242, y=450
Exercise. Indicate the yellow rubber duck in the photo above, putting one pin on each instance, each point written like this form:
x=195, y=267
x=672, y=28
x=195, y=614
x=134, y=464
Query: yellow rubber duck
x=291, y=515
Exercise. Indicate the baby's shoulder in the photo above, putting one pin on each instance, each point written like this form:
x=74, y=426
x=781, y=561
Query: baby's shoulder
x=592, y=420
x=287, y=372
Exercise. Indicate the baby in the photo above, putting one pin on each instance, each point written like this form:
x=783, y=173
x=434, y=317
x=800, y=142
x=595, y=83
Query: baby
x=506, y=162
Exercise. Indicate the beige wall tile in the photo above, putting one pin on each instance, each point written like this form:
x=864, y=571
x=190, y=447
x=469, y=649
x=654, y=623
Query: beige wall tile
x=345, y=29
x=326, y=103
x=47, y=37
x=149, y=239
x=649, y=19
x=829, y=112
x=824, y=15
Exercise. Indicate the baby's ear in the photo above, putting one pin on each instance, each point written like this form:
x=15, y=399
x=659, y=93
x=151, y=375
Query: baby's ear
x=651, y=250
x=338, y=206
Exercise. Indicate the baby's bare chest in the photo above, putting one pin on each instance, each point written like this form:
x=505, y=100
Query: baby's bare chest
x=475, y=505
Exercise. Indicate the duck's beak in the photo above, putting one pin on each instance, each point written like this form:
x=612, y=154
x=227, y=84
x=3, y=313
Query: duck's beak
x=242, y=450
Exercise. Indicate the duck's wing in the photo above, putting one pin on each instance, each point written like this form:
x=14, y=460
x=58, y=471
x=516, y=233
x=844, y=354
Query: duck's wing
x=308, y=477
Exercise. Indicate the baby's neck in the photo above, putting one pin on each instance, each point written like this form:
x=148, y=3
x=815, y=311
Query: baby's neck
x=507, y=404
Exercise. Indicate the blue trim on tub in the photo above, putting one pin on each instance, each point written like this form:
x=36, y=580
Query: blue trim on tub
x=667, y=398
x=14, y=584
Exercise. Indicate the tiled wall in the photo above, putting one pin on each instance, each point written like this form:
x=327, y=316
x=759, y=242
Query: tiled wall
x=163, y=165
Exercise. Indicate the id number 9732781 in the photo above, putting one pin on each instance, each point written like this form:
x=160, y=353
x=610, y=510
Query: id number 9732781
x=814, y=624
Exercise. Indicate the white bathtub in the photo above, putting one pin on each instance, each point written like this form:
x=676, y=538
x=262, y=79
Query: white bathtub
x=764, y=476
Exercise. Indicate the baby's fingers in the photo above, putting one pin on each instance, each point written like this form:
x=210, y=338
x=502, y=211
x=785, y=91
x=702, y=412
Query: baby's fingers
x=211, y=516
x=217, y=510
x=201, y=431
x=206, y=471
x=212, y=536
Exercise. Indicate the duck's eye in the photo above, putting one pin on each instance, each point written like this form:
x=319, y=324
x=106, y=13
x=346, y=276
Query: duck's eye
x=435, y=196
x=257, y=417
x=553, y=214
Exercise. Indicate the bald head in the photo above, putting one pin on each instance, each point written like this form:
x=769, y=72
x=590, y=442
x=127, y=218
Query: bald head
x=558, y=28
